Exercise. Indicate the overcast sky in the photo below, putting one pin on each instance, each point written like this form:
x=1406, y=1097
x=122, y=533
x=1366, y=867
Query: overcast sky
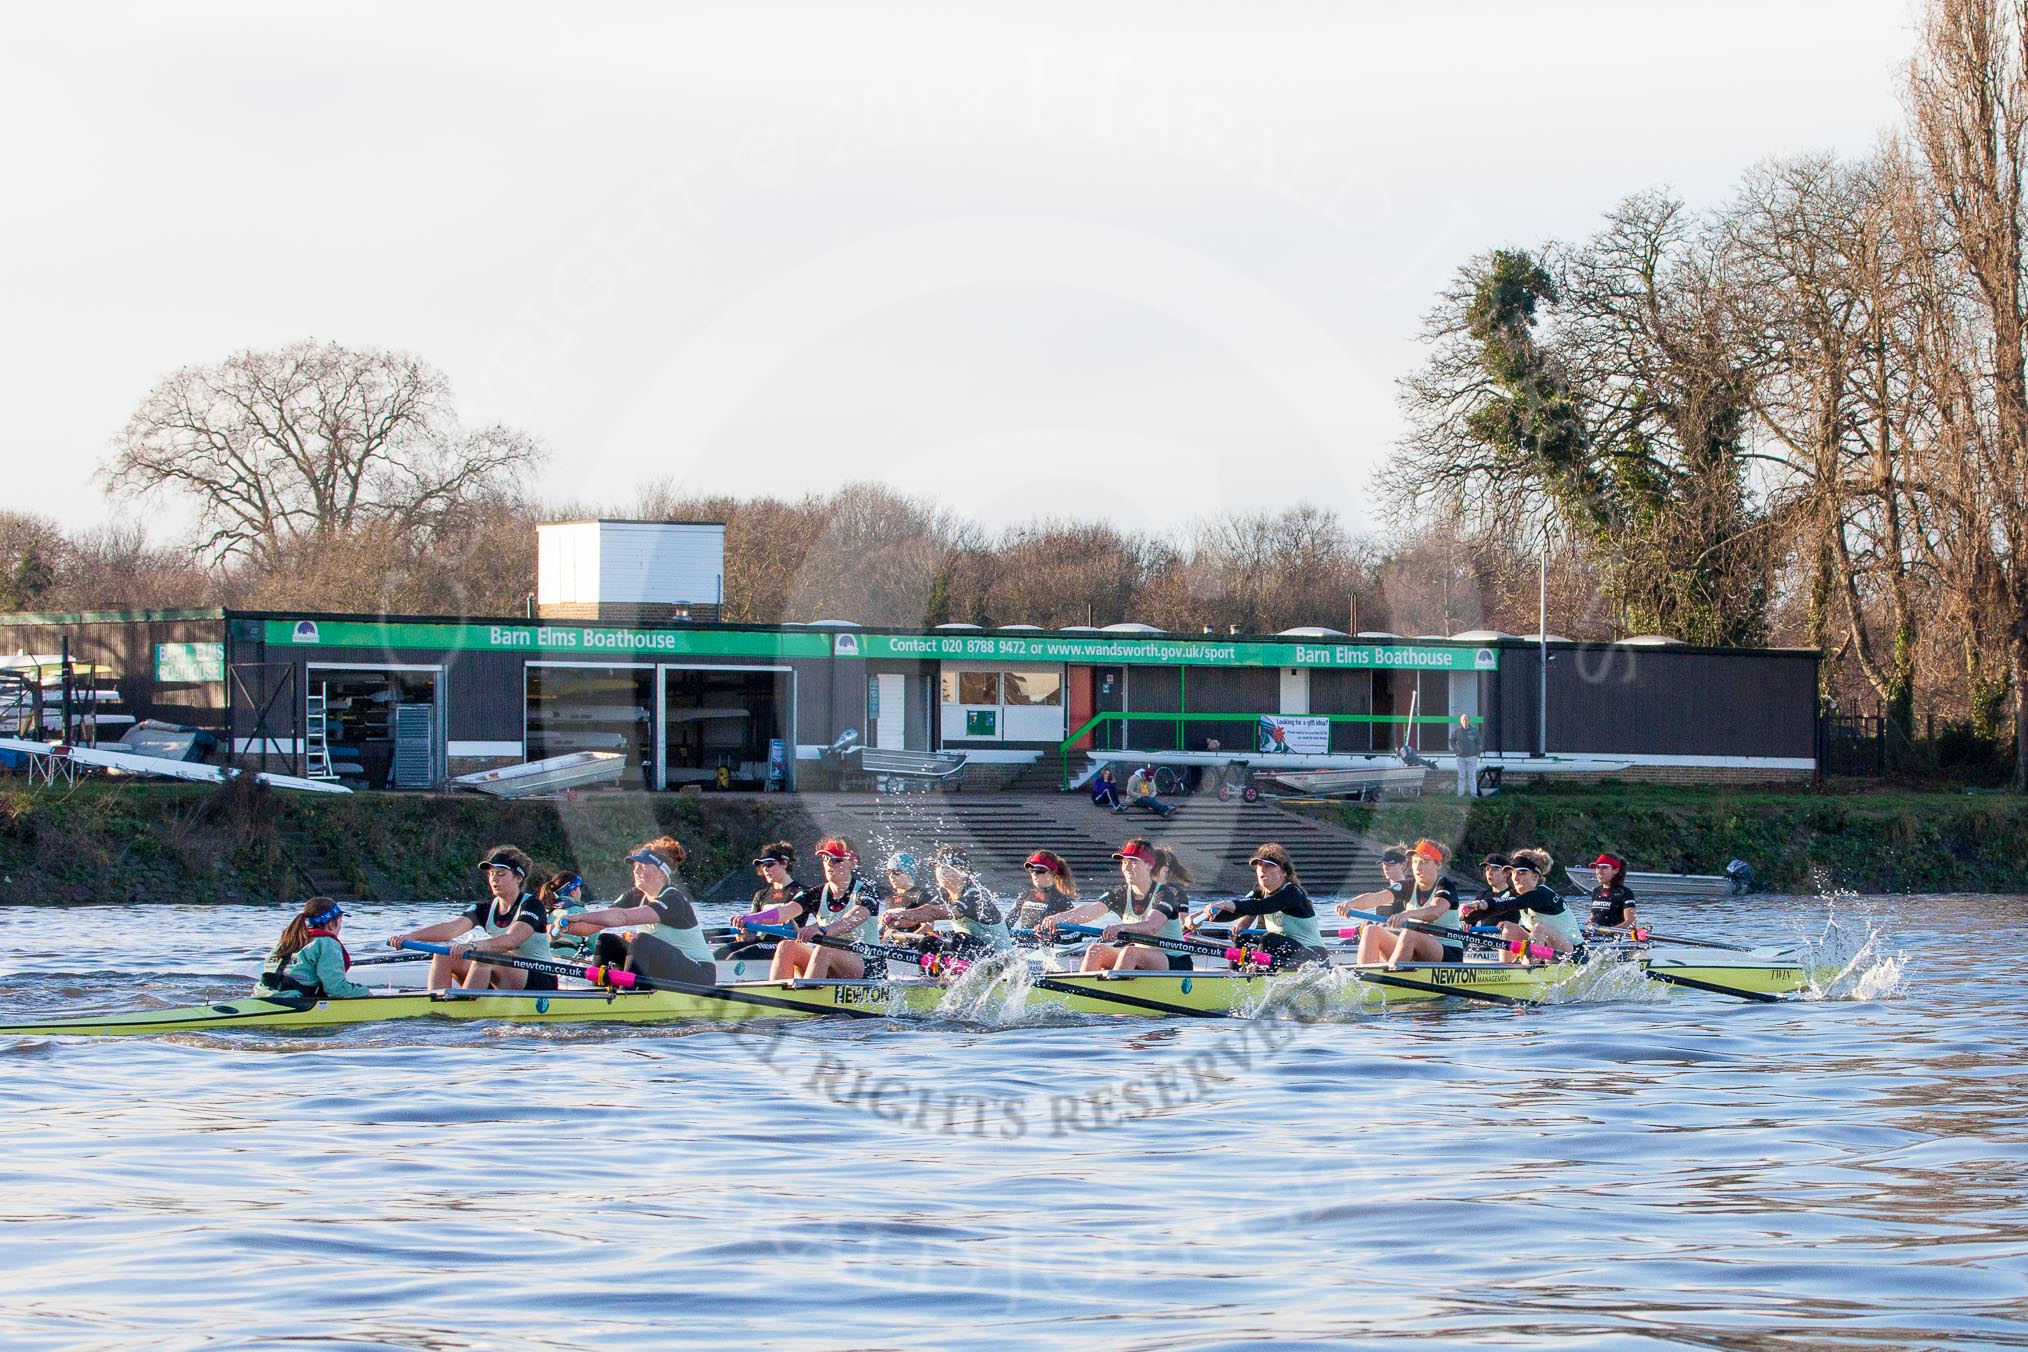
x=1024, y=257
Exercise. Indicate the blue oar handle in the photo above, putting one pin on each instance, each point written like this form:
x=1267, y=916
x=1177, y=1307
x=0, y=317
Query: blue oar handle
x=773, y=931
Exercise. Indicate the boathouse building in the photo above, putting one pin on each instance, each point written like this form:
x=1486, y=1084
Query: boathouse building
x=407, y=701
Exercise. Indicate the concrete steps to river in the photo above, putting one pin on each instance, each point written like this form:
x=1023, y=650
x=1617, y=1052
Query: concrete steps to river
x=998, y=831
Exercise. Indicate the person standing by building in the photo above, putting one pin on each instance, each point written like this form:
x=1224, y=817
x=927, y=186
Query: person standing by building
x=1467, y=741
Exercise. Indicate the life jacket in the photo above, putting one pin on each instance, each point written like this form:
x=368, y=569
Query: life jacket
x=279, y=979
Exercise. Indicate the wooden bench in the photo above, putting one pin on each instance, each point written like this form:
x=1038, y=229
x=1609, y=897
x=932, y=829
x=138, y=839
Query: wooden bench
x=900, y=771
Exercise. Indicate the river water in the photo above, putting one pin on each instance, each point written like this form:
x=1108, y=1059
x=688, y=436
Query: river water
x=1670, y=1170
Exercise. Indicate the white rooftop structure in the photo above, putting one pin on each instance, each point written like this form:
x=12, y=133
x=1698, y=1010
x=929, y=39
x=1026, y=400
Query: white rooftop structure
x=592, y=563
x=1132, y=628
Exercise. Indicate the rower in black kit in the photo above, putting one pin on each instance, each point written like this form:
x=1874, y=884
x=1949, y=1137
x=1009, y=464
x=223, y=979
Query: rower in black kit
x=1288, y=932
x=778, y=892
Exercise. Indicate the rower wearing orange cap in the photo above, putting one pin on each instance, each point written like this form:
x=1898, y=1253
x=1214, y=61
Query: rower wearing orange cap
x=1432, y=899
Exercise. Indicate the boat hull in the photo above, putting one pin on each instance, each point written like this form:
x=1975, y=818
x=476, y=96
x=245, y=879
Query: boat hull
x=1144, y=994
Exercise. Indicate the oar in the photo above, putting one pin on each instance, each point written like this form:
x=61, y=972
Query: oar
x=1483, y=935
x=1234, y=955
x=386, y=958
x=1651, y=937
x=1464, y=992
x=932, y=964
x=1044, y=983
x=1657, y=974
x=623, y=980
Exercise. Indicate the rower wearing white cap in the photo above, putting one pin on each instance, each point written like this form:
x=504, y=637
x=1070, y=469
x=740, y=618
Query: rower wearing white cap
x=845, y=907
x=1544, y=919
x=1289, y=932
x=512, y=920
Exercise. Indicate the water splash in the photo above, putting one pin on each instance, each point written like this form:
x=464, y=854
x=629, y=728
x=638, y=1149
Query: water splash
x=1848, y=956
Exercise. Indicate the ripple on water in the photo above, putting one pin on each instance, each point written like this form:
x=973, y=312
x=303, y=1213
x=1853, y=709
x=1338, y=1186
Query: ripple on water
x=1636, y=1167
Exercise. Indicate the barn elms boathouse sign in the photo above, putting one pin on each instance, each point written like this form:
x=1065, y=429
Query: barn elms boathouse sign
x=1176, y=652
x=1154, y=651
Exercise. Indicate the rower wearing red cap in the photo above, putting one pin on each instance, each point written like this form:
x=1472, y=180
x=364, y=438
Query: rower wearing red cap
x=1432, y=899
x=845, y=907
x=1143, y=906
x=1612, y=905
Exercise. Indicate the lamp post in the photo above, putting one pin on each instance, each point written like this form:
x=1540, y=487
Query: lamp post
x=1542, y=640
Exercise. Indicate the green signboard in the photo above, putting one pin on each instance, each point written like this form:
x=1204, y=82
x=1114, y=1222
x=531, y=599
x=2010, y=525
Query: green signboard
x=189, y=663
x=553, y=640
x=1166, y=651
x=982, y=722
x=545, y=639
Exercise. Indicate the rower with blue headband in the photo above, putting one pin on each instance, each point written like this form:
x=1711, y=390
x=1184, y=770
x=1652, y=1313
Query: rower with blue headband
x=309, y=961
x=653, y=929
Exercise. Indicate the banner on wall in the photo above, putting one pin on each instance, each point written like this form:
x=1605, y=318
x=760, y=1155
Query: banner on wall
x=1295, y=736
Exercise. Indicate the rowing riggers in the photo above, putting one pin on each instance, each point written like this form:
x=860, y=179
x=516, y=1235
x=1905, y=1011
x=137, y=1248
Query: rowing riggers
x=932, y=964
x=1238, y=956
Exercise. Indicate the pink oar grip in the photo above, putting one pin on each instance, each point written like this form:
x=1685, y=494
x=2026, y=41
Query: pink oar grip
x=771, y=916
x=1352, y=933
x=610, y=976
x=1241, y=955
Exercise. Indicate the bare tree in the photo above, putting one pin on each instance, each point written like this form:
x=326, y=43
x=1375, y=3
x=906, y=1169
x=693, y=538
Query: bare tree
x=312, y=441
x=1967, y=99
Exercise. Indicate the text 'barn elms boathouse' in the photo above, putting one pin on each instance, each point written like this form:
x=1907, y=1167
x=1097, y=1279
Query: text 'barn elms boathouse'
x=623, y=652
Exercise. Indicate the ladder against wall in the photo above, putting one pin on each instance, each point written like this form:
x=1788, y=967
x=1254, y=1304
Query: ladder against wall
x=317, y=734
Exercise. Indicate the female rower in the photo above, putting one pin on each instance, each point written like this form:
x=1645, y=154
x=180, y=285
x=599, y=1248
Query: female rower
x=904, y=891
x=1544, y=917
x=667, y=943
x=562, y=898
x=1432, y=899
x=980, y=928
x=309, y=961
x=1145, y=905
x=1052, y=896
x=846, y=907
x=511, y=919
x=1612, y=905
x=1290, y=937
x=1495, y=901
x=779, y=896
x=1386, y=899
x=1140, y=905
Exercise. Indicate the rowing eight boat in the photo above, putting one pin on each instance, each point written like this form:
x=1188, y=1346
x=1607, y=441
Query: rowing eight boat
x=1314, y=993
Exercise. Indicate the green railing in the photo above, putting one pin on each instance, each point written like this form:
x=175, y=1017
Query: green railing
x=1251, y=720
